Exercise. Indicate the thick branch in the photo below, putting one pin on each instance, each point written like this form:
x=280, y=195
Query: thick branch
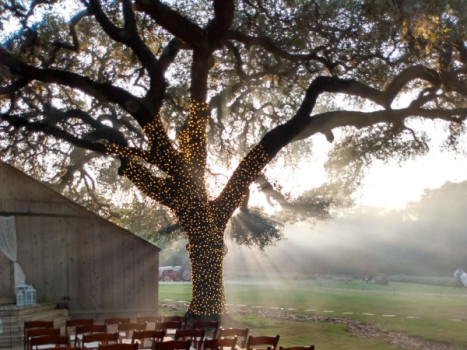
x=19, y=122
x=16, y=85
x=301, y=125
x=407, y=75
x=270, y=46
x=105, y=92
x=153, y=186
x=324, y=123
x=172, y=21
x=128, y=35
x=224, y=16
x=163, y=149
x=237, y=187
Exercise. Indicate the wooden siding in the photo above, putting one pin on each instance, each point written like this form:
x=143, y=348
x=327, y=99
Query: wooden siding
x=73, y=256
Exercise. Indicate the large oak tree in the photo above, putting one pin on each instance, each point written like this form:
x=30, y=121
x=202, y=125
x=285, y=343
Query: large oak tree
x=178, y=90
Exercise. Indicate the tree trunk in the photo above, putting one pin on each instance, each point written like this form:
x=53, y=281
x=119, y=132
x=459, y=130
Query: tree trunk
x=207, y=270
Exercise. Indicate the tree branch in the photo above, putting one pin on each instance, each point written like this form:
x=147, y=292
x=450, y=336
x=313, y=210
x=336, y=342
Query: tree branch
x=301, y=125
x=173, y=22
x=324, y=123
x=270, y=46
x=143, y=113
x=224, y=16
x=162, y=150
x=130, y=37
x=14, y=86
x=153, y=186
x=19, y=122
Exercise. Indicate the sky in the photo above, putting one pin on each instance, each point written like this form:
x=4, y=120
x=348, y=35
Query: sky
x=386, y=185
x=392, y=186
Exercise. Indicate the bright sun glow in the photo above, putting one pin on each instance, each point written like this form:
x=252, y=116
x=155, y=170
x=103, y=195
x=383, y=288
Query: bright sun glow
x=391, y=186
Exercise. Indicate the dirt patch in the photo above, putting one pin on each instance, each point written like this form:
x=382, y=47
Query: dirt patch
x=369, y=330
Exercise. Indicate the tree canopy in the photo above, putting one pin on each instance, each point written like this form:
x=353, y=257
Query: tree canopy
x=200, y=101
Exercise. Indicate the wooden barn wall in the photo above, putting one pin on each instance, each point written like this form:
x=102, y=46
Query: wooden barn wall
x=73, y=256
x=6, y=280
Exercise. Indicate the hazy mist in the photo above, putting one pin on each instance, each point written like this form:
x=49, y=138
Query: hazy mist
x=428, y=237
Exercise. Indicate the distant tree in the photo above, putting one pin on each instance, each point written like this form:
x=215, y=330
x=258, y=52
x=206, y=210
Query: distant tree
x=181, y=92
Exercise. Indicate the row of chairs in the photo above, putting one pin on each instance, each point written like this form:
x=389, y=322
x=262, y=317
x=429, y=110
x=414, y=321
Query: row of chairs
x=89, y=335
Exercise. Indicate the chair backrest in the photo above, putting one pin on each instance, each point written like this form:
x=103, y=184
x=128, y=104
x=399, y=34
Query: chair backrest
x=220, y=343
x=262, y=342
x=170, y=327
x=38, y=324
x=35, y=324
x=150, y=321
x=53, y=340
x=184, y=319
x=145, y=339
x=80, y=331
x=311, y=347
x=208, y=326
x=112, y=323
x=195, y=335
x=96, y=339
x=70, y=325
x=119, y=346
x=125, y=330
x=173, y=345
x=117, y=320
x=242, y=333
x=39, y=332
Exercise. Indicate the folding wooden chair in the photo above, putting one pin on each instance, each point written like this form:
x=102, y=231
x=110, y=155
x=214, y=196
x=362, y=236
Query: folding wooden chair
x=262, y=342
x=35, y=324
x=150, y=321
x=49, y=341
x=220, y=343
x=93, y=341
x=184, y=319
x=70, y=326
x=80, y=331
x=125, y=330
x=170, y=328
x=208, y=326
x=242, y=333
x=195, y=335
x=117, y=320
x=146, y=339
x=311, y=347
x=119, y=346
x=37, y=332
x=112, y=323
x=173, y=345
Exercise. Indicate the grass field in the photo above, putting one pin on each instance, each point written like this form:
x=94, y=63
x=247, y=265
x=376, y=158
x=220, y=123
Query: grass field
x=430, y=312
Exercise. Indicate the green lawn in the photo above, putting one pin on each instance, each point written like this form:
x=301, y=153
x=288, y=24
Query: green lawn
x=430, y=312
